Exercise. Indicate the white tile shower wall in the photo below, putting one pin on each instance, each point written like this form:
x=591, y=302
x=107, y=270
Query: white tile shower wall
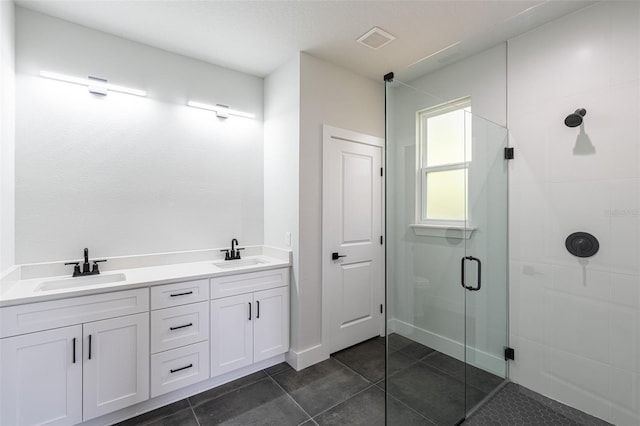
x=576, y=323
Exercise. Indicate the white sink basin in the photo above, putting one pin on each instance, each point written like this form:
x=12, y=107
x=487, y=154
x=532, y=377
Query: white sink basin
x=240, y=263
x=73, y=282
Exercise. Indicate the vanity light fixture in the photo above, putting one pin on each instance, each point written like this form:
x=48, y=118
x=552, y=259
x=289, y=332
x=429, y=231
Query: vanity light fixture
x=96, y=85
x=222, y=111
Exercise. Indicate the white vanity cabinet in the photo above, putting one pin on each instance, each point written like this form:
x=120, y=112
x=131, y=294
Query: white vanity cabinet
x=71, y=360
x=42, y=378
x=115, y=364
x=249, y=318
x=179, y=335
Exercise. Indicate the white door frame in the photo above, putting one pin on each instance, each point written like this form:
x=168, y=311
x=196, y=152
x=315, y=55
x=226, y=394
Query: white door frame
x=328, y=133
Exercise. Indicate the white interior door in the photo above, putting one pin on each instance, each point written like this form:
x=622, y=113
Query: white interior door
x=352, y=230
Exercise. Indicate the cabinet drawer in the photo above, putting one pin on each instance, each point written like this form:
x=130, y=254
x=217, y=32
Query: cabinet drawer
x=180, y=367
x=245, y=283
x=179, y=326
x=164, y=296
x=39, y=316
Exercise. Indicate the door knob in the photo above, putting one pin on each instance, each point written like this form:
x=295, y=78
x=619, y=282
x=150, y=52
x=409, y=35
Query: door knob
x=336, y=256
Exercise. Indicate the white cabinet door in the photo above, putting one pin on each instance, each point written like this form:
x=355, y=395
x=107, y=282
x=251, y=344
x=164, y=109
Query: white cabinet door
x=231, y=333
x=116, y=364
x=271, y=323
x=41, y=384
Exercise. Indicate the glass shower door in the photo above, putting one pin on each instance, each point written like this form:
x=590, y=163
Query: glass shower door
x=445, y=215
x=485, y=264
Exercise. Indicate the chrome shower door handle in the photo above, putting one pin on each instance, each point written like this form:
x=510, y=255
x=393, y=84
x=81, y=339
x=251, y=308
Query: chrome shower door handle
x=462, y=273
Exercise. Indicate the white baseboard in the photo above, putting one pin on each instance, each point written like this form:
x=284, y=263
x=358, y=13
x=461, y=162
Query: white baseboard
x=453, y=348
x=306, y=357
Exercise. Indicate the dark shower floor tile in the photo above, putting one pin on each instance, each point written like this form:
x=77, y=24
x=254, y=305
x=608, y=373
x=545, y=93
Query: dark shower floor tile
x=367, y=359
x=476, y=377
x=367, y=408
x=322, y=385
x=261, y=403
x=416, y=350
x=397, y=342
x=434, y=394
x=515, y=405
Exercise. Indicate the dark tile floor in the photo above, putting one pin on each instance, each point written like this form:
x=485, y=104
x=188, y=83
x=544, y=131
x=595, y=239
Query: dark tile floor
x=425, y=388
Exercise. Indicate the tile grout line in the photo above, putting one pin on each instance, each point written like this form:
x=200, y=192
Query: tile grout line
x=414, y=362
x=193, y=412
x=292, y=399
x=450, y=375
x=232, y=390
x=342, y=402
x=410, y=408
x=351, y=369
x=152, y=420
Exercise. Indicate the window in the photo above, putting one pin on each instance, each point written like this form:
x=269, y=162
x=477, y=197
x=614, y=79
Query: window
x=444, y=153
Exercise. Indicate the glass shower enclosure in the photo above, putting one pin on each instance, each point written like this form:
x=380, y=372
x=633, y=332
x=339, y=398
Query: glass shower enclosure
x=446, y=228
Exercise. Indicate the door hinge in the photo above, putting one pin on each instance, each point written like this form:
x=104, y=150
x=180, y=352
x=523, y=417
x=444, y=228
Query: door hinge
x=381, y=171
x=508, y=153
x=509, y=354
x=381, y=239
x=381, y=310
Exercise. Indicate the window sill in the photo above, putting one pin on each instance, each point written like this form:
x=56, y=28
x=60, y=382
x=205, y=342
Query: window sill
x=442, y=231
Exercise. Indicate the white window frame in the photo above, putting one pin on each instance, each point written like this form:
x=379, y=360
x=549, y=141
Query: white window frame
x=421, y=170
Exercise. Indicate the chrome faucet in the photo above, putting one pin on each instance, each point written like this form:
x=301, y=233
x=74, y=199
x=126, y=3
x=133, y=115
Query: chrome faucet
x=235, y=252
x=85, y=266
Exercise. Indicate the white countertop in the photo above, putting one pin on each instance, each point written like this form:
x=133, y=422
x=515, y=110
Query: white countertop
x=20, y=291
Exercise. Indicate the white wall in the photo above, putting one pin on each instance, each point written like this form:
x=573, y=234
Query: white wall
x=334, y=96
x=300, y=97
x=7, y=136
x=576, y=324
x=424, y=272
x=122, y=174
x=282, y=167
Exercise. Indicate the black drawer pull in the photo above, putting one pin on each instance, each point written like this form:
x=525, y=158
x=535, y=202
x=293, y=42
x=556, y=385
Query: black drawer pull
x=74, y=350
x=181, y=368
x=182, y=294
x=89, y=346
x=181, y=326
x=258, y=305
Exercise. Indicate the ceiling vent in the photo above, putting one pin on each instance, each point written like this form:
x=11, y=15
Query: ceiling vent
x=376, y=38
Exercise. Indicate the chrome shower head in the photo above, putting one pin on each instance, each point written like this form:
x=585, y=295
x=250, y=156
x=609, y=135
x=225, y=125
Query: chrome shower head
x=575, y=119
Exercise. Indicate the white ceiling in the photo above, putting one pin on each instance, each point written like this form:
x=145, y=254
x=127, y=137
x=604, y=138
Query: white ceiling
x=257, y=36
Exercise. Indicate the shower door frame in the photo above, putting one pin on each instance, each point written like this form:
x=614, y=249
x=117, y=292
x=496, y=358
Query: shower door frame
x=389, y=311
